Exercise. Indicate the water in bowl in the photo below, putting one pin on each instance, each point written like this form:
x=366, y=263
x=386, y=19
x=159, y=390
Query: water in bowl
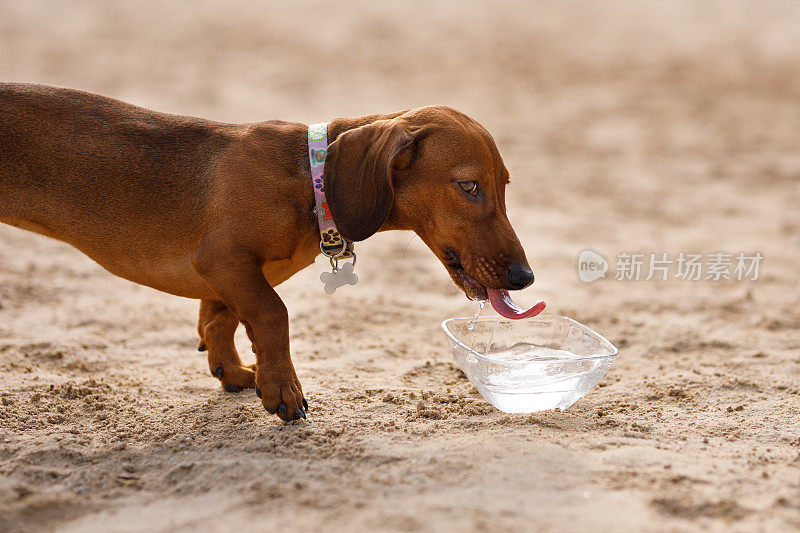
x=529, y=365
x=560, y=380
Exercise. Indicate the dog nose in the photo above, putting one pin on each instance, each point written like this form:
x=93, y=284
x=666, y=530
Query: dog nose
x=519, y=276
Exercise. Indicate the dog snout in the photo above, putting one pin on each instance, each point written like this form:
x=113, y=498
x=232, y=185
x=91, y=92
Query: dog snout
x=519, y=276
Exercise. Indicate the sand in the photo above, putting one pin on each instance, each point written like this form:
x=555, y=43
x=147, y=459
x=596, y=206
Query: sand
x=628, y=127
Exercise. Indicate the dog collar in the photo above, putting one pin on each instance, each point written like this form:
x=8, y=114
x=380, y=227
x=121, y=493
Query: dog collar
x=331, y=243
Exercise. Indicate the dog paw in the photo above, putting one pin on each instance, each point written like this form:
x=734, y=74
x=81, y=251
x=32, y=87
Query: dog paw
x=235, y=378
x=282, y=396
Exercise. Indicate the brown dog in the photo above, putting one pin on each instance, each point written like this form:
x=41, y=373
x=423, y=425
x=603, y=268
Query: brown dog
x=225, y=212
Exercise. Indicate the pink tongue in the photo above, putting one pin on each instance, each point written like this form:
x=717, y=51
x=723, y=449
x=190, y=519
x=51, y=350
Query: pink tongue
x=506, y=307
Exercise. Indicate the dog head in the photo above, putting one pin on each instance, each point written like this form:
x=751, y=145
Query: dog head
x=437, y=172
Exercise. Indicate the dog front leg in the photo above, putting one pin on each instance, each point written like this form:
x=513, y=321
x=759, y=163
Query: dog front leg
x=239, y=281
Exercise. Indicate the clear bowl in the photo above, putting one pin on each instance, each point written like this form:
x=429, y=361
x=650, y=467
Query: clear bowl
x=523, y=366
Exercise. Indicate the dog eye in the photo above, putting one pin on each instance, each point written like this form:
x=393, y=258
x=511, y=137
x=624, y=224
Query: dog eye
x=469, y=187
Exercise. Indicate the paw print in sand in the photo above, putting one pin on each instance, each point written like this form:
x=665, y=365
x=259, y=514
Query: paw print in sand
x=334, y=280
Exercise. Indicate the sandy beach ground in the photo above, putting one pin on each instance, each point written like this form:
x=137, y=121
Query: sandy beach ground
x=636, y=127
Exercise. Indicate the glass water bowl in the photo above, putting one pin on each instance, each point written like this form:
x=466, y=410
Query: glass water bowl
x=528, y=365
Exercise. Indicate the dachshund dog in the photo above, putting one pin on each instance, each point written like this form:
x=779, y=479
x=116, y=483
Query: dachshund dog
x=225, y=212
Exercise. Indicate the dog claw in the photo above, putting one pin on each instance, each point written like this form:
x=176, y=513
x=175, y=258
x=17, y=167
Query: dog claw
x=217, y=372
x=201, y=347
x=230, y=387
x=282, y=410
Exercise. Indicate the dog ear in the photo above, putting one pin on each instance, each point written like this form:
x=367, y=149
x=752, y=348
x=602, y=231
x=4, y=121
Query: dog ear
x=358, y=176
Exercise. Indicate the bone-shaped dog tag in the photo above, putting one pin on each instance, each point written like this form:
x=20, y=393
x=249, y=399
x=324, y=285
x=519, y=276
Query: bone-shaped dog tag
x=338, y=278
